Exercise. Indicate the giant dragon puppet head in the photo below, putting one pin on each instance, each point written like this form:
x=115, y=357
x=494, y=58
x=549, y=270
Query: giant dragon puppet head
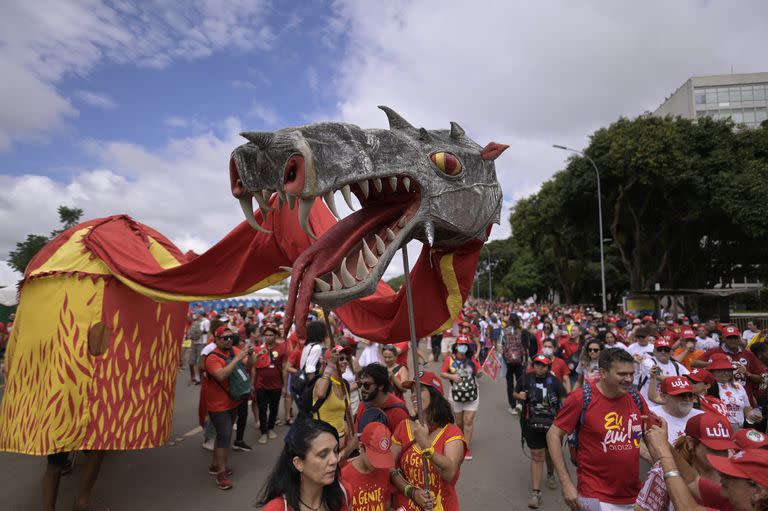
x=437, y=186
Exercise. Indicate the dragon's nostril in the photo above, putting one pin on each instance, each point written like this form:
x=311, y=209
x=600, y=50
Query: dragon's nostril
x=235, y=182
x=293, y=175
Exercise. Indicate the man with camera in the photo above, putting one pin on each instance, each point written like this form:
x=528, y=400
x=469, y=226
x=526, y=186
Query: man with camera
x=541, y=393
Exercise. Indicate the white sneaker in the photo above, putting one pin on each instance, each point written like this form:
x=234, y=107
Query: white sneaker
x=271, y=434
x=262, y=439
x=513, y=411
x=208, y=445
x=519, y=408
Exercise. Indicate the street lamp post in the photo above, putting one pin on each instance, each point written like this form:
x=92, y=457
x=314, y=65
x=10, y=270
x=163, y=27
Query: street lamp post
x=599, y=216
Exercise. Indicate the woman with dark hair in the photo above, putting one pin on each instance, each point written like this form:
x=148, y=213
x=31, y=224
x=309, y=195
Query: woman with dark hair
x=462, y=370
x=397, y=373
x=306, y=475
x=588, y=369
x=439, y=441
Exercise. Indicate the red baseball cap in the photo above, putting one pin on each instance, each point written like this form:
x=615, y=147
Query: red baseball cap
x=542, y=359
x=338, y=349
x=712, y=430
x=426, y=378
x=750, y=464
x=647, y=317
x=665, y=341
x=731, y=331
x=463, y=339
x=719, y=361
x=675, y=385
x=750, y=439
x=378, y=445
x=222, y=330
x=687, y=333
x=701, y=375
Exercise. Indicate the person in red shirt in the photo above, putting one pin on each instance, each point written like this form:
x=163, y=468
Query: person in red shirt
x=222, y=409
x=375, y=393
x=306, y=475
x=440, y=441
x=269, y=381
x=366, y=477
x=609, y=434
x=462, y=369
x=571, y=344
x=559, y=368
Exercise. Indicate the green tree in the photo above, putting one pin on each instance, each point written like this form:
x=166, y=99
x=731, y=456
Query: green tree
x=25, y=250
x=396, y=282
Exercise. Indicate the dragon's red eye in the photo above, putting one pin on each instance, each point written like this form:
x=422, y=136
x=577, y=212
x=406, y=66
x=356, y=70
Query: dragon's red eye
x=447, y=163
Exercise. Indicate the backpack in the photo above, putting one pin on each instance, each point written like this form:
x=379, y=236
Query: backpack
x=539, y=417
x=512, y=348
x=573, y=438
x=195, y=333
x=299, y=381
x=376, y=414
x=643, y=380
x=464, y=391
x=239, y=381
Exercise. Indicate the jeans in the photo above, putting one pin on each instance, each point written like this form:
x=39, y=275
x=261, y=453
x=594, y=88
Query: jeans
x=436, y=341
x=268, y=400
x=242, y=419
x=514, y=373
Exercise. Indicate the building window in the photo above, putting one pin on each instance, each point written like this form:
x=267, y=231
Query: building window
x=746, y=93
x=759, y=92
x=701, y=98
x=735, y=93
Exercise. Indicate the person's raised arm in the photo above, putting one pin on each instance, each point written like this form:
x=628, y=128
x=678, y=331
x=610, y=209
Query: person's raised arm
x=223, y=373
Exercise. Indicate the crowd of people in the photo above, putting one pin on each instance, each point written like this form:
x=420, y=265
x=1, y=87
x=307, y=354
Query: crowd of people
x=654, y=412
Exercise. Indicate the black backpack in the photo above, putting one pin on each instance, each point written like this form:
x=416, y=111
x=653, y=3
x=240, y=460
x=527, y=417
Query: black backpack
x=300, y=382
x=377, y=414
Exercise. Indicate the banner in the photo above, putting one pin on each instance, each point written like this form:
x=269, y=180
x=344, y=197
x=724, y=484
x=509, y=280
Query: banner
x=492, y=365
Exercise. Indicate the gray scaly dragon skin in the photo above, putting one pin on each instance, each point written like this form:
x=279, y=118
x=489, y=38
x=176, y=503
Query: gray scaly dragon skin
x=443, y=210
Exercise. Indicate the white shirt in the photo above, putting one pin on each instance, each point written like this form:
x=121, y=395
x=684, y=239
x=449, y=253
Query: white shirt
x=675, y=425
x=735, y=399
x=706, y=343
x=310, y=356
x=619, y=344
x=205, y=327
x=207, y=349
x=637, y=349
x=747, y=335
x=667, y=369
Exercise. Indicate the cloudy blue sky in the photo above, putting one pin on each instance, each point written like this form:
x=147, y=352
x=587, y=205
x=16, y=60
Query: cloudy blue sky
x=133, y=107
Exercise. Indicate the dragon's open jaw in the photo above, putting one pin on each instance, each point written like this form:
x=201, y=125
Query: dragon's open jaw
x=347, y=261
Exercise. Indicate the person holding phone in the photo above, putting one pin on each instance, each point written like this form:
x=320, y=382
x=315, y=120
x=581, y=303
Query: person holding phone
x=269, y=383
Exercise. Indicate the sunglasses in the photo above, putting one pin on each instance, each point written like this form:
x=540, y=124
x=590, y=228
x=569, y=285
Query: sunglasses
x=663, y=350
x=594, y=350
x=343, y=358
x=365, y=384
x=228, y=338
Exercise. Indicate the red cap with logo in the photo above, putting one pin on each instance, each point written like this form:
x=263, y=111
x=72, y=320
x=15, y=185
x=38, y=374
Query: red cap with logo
x=426, y=378
x=222, y=330
x=665, y=341
x=731, y=331
x=701, y=375
x=542, y=359
x=719, y=361
x=712, y=430
x=751, y=464
x=378, y=445
x=647, y=317
x=687, y=333
x=675, y=385
x=750, y=439
x=463, y=339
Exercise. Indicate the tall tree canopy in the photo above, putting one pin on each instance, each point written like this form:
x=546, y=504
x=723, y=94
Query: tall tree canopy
x=25, y=250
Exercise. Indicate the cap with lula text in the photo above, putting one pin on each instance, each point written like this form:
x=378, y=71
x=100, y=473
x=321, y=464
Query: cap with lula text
x=712, y=430
x=542, y=359
x=687, y=333
x=675, y=385
x=378, y=445
x=664, y=341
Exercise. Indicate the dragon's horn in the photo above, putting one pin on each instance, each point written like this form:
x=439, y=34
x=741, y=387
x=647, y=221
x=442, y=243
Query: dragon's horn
x=424, y=135
x=396, y=122
x=261, y=138
x=456, y=130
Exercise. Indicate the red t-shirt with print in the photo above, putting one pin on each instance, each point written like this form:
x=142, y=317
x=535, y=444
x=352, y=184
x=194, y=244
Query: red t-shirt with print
x=366, y=492
x=217, y=393
x=712, y=404
x=609, y=445
x=411, y=465
x=269, y=367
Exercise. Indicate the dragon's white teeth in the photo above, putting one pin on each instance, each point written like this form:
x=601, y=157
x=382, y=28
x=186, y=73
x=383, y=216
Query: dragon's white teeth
x=362, y=269
x=370, y=259
x=393, y=183
x=246, y=203
x=291, y=201
x=364, y=187
x=331, y=203
x=380, y=245
x=305, y=205
x=390, y=234
x=322, y=286
x=337, y=285
x=347, y=193
x=346, y=277
x=407, y=184
x=377, y=184
x=281, y=196
x=267, y=194
x=286, y=268
x=263, y=204
x=401, y=222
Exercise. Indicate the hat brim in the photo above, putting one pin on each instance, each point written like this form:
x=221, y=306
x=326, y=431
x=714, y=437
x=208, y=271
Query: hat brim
x=379, y=459
x=726, y=466
x=677, y=392
x=409, y=384
x=729, y=367
x=718, y=444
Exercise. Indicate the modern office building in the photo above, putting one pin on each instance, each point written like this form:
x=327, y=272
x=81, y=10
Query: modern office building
x=742, y=97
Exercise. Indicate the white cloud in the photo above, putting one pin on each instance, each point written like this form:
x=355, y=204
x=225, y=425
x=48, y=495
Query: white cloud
x=8, y=276
x=530, y=76
x=96, y=99
x=264, y=113
x=312, y=79
x=42, y=42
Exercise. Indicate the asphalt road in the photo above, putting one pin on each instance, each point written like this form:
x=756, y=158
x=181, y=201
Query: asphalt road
x=176, y=477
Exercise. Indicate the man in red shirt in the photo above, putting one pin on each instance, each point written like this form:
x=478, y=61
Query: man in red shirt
x=269, y=382
x=748, y=368
x=366, y=477
x=375, y=394
x=222, y=409
x=609, y=434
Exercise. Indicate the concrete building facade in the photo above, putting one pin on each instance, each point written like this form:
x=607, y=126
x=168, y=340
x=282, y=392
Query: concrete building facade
x=741, y=97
